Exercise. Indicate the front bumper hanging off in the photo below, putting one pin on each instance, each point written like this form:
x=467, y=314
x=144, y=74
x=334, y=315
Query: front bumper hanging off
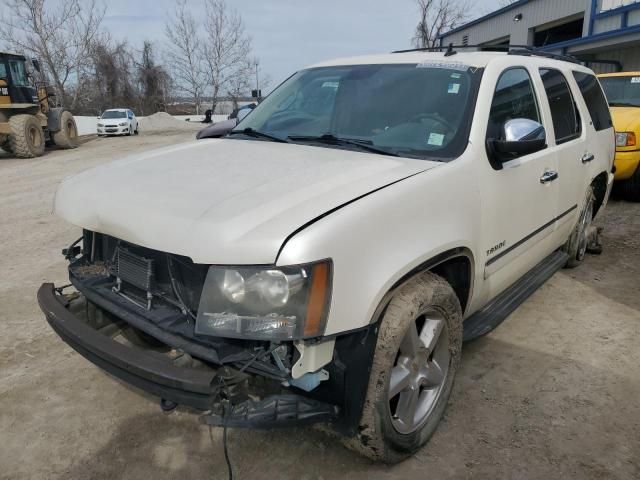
x=200, y=388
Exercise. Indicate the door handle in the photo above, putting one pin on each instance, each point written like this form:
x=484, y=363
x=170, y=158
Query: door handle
x=548, y=176
x=588, y=157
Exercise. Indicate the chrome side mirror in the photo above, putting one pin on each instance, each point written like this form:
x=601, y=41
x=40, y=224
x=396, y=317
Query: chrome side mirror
x=523, y=129
x=520, y=137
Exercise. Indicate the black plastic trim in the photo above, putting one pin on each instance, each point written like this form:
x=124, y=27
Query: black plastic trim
x=529, y=237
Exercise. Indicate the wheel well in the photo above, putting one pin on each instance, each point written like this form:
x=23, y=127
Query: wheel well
x=599, y=185
x=457, y=272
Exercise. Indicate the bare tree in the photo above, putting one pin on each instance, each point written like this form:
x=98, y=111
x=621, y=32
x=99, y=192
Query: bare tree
x=184, y=55
x=153, y=80
x=437, y=17
x=505, y=3
x=240, y=82
x=226, y=47
x=59, y=34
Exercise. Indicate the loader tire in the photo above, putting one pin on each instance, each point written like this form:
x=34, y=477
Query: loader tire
x=67, y=136
x=26, y=139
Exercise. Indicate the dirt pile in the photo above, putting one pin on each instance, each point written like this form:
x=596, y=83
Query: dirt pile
x=162, y=121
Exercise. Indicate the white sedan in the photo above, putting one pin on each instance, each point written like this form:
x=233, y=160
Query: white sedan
x=117, y=121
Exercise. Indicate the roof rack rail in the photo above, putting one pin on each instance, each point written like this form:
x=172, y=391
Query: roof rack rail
x=524, y=50
x=452, y=48
x=538, y=53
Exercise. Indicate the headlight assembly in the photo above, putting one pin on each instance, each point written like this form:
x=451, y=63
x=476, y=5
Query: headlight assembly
x=123, y=124
x=265, y=303
x=625, y=139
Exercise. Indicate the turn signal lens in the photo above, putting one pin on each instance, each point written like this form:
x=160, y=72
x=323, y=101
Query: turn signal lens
x=318, y=301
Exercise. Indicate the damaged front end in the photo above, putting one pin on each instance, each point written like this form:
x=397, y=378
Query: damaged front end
x=201, y=336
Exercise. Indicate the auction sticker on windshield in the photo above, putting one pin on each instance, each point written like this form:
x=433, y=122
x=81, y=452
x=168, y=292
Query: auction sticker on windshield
x=448, y=65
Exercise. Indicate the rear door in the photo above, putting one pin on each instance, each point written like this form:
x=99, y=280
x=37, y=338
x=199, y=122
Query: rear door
x=566, y=136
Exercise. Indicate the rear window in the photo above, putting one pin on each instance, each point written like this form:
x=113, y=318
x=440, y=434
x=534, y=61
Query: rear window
x=595, y=100
x=565, y=115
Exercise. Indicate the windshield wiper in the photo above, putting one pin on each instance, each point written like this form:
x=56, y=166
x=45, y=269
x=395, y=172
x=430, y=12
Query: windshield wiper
x=250, y=132
x=331, y=139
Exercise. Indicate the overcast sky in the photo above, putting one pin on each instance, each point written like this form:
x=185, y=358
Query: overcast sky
x=290, y=34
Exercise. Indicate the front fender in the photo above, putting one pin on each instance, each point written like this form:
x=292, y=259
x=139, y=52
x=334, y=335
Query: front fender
x=378, y=240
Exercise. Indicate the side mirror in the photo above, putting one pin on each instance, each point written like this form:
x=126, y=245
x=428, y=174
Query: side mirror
x=520, y=136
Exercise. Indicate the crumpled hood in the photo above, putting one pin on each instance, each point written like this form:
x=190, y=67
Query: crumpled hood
x=223, y=201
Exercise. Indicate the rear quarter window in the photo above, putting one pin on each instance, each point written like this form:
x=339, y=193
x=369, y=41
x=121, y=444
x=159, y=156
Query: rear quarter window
x=594, y=99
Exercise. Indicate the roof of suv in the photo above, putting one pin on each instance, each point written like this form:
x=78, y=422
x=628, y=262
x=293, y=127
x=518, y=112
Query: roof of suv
x=472, y=59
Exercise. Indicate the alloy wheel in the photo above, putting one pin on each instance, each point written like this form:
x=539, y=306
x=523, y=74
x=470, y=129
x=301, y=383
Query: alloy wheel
x=419, y=372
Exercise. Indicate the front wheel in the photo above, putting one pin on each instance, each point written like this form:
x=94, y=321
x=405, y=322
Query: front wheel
x=26, y=139
x=417, y=354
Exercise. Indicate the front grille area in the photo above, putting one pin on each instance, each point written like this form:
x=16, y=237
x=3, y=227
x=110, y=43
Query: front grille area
x=173, y=280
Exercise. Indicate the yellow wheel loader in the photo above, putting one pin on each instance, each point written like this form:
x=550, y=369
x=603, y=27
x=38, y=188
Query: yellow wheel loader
x=29, y=117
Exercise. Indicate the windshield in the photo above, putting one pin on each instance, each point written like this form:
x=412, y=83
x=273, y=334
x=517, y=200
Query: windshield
x=18, y=73
x=114, y=114
x=622, y=91
x=421, y=110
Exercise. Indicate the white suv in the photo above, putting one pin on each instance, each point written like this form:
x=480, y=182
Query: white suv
x=326, y=260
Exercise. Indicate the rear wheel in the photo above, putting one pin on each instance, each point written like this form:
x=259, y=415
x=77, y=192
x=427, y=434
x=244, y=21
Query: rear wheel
x=630, y=187
x=67, y=136
x=578, y=242
x=416, y=358
x=27, y=138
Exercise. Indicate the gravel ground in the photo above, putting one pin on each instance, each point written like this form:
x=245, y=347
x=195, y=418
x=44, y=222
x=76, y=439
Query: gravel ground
x=552, y=393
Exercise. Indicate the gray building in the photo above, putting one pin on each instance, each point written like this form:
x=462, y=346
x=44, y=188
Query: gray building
x=605, y=34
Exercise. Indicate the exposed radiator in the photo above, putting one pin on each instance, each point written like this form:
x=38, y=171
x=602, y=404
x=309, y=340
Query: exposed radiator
x=134, y=270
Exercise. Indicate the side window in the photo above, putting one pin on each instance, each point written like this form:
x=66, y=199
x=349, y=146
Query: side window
x=565, y=115
x=595, y=100
x=514, y=98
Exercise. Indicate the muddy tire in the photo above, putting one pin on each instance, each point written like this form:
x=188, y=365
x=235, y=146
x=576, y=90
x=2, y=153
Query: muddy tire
x=630, y=188
x=67, y=136
x=416, y=358
x=27, y=138
x=578, y=242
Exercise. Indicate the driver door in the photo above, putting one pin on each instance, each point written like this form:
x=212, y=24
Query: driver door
x=519, y=196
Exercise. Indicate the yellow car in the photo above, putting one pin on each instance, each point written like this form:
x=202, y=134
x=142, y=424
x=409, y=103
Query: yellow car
x=623, y=95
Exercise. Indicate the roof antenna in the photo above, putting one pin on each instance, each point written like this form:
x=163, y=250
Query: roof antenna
x=450, y=51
